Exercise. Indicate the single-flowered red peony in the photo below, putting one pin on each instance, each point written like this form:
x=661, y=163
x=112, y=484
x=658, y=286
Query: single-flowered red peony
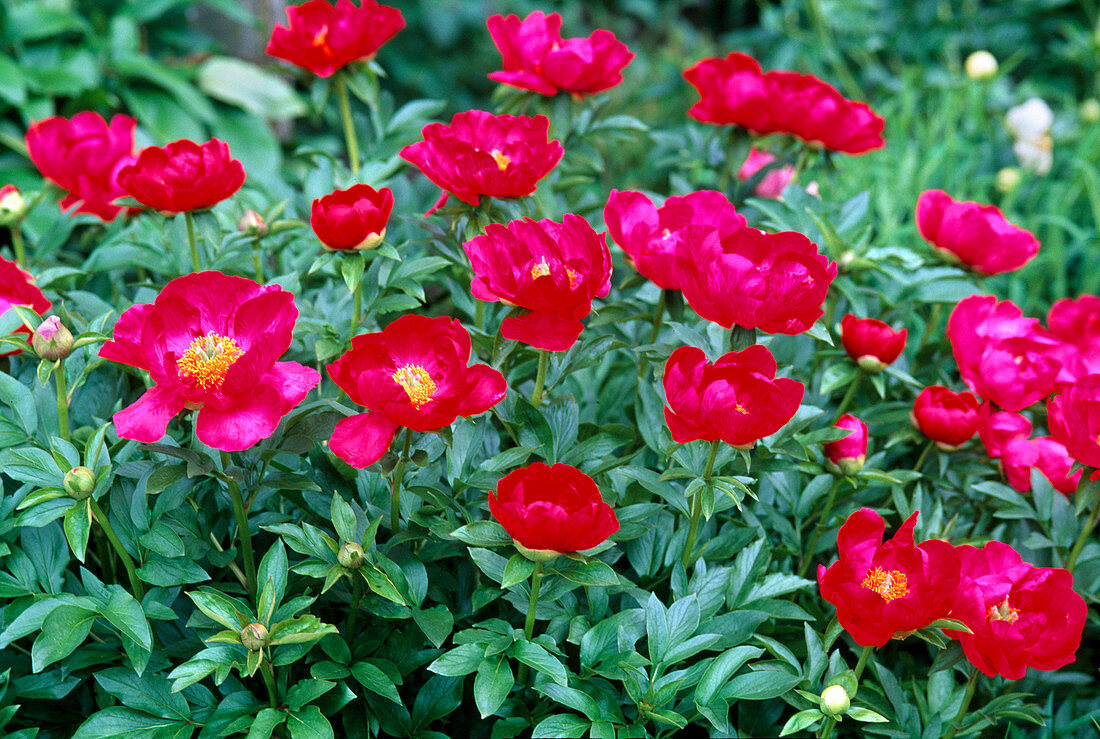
x=324, y=38
x=885, y=589
x=975, y=235
x=737, y=399
x=773, y=183
x=183, y=176
x=1043, y=453
x=652, y=237
x=1074, y=420
x=83, y=155
x=414, y=374
x=1020, y=616
x=997, y=428
x=554, y=270
x=537, y=58
x=848, y=455
x=1003, y=356
x=17, y=288
x=499, y=156
x=773, y=282
x=210, y=343
x=354, y=219
x=872, y=343
x=948, y=418
x=736, y=91
x=552, y=509
x=1076, y=323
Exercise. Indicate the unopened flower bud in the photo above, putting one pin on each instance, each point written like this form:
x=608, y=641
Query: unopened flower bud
x=52, y=341
x=844, y=263
x=350, y=556
x=835, y=701
x=252, y=223
x=254, y=637
x=1008, y=179
x=79, y=482
x=981, y=65
x=12, y=205
x=1090, y=110
x=848, y=455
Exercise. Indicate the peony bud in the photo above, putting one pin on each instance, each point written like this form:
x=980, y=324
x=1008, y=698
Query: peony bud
x=873, y=344
x=350, y=556
x=835, y=701
x=981, y=65
x=12, y=205
x=1008, y=179
x=252, y=223
x=52, y=341
x=79, y=482
x=254, y=637
x=1089, y=110
x=846, y=456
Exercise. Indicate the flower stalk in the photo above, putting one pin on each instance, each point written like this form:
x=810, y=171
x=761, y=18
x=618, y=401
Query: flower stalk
x=971, y=684
x=18, y=246
x=116, y=544
x=540, y=378
x=395, y=485
x=196, y=263
x=532, y=602
x=351, y=141
x=1082, y=539
x=244, y=535
x=697, y=507
x=62, y=400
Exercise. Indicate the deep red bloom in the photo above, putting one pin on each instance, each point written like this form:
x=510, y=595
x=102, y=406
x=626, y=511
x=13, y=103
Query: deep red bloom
x=17, y=288
x=1003, y=356
x=323, y=38
x=880, y=589
x=1077, y=324
x=183, y=176
x=83, y=155
x=210, y=343
x=848, y=454
x=950, y=419
x=978, y=236
x=537, y=58
x=411, y=374
x=352, y=219
x=652, y=237
x=736, y=91
x=1044, y=453
x=1021, y=616
x=555, y=508
x=774, y=182
x=773, y=282
x=872, y=343
x=737, y=399
x=1074, y=420
x=554, y=270
x=997, y=428
x=501, y=156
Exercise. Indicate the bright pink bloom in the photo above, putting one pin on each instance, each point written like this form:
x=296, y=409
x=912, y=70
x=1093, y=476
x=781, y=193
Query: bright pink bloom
x=354, y=219
x=537, y=58
x=652, y=237
x=735, y=91
x=1077, y=324
x=1020, y=616
x=554, y=270
x=17, y=288
x=773, y=282
x=210, y=343
x=1003, y=356
x=737, y=399
x=83, y=155
x=1019, y=456
x=997, y=428
x=1074, y=420
x=411, y=374
x=774, y=182
x=950, y=419
x=872, y=343
x=978, y=236
x=323, y=38
x=183, y=176
x=850, y=453
x=500, y=156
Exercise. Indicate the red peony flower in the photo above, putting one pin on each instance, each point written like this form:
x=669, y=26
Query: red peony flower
x=848, y=455
x=1077, y=324
x=872, y=343
x=735, y=91
x=549, y=510
x=17, y=288
x=352, y=219
x=1020, y=455
x=885, y=589
x=737, y=399
x=1003, y=356
x=1074, y=420
x=413, y=373
x=978, y=236
x=183, y=176
x=83, y=155
x=500, y=156
x=773, y=282
x=774, y=182
x=997, y=428
x=950, y=419
x=652, y=237
x=323, y=38
x=210, y=344
x=554, y=270
x=1021, y=616
x=537, y=58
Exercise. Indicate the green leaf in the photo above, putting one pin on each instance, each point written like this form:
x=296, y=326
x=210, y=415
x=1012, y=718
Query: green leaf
x=265, y=722
x=593, y=573
x=168, y=573
x=436, y=623
x=125, y=614
x=306, y=691
x=375, y=680
x=343, y=519
x=462, y=660
x=119, y=722
x=564, y=725
x=300, y=630
x=246, y=86
x=518, y=569
x=865, y=714
x=802, y=720
x=492, y=684
x=309, y=724
x=150, y=693
x=273, y=569
x=221, y=608
x=482, y=534
x=759, y=685
x=535, y=656
x=720, y=670
x=950, y=623
x=78, y=525
x=63, y=630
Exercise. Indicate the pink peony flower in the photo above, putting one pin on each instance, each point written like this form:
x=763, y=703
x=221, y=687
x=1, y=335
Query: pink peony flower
x=773, y=183
x=978, y=236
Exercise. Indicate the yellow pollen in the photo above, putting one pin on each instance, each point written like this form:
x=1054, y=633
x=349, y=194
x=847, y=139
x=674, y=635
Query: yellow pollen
x=501, y=158
x=1002, y=612
x=890, y=584
x=542, y=269
x=208, y=359
x=320, y=40
x=416, y=381
x=741, y=409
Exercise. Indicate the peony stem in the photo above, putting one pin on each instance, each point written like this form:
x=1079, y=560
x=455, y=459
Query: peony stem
x=540, y=378
x=127, y=562
x=353, y=610
x=697, y=507
x=658, y=315
x=356, y=310
x=967, y=697
x=62, y=400
x=189, y=219
x=395, y=485
x=864, y=656
x=1090, y=523
x=822, y=524
x=848, y=397
x=532, y=602
x=258, y=260
x=341, y=84
x=741, y=338
x=244, y=535
x=269, y=681
x=18, y=247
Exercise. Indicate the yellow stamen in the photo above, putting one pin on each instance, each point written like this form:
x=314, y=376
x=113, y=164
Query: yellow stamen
x=1002, y=612
x=418, y=384
x=542, y=269
x=320, y=40
x=890, y=584
x=208, y=359
x=741, y=409
x=501, y=159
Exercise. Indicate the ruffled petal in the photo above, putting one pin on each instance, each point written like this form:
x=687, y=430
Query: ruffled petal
x=361, y=440
x=147, y=419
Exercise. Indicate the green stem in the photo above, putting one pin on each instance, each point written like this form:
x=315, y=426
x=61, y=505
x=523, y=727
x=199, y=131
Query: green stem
x=658, y=316
x=741, y=338
x=540, y=378
x=395, y=485
x=244, y=535
x=258, y=261
x=18, y=246
x=356, y=309
x=822, y=523
x=189, y=219
x=269, y=681
x=1090, y=523
x=971, y=684
x=697, y=507
x=848, y=397
x=62, y=399
x=923, y=456
x=863, y=657
x=532, y=602
x=479, y=315
x=127, y=562
x=340, y=81
x=353, y=611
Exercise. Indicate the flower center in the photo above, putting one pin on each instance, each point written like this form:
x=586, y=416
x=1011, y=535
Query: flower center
x=416, y=381
x=320, y=40
x=208, y=359
x=542, y=269
x=741, y=409
x=1002, y=612
x=890, y=584
x=501, y=158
